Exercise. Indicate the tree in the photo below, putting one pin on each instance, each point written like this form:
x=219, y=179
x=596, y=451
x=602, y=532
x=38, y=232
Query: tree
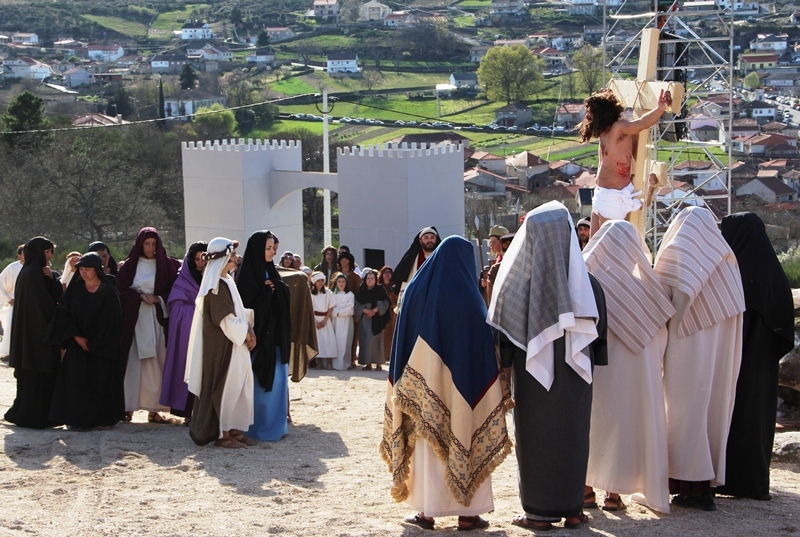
x=187, y=77
x=120, y=103
x=161, y=112
x=370, y=78
x=24, y=113
x=569, y=84
x=215, y=122
x=306, y=50
x=589, y=61
x=263, y=38
x=510, y=73
x=752, y=81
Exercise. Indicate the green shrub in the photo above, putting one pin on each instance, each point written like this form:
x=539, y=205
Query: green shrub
x=790, y=261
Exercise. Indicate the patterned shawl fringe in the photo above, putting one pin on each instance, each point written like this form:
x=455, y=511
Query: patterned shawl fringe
x=407, y=398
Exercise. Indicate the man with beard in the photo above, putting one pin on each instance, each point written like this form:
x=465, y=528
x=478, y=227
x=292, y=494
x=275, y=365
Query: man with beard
x=425, y=242
x=582, y=229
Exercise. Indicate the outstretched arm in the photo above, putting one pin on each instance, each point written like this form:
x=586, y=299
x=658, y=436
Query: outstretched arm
x=649, y=119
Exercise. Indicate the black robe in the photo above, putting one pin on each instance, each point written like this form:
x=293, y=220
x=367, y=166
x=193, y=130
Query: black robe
x=552, y=427
x=34, y=360
x=89, y=389
x=767, y=335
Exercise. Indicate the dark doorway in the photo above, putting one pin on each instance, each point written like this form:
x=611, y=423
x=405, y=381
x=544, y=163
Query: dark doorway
x=374, y=258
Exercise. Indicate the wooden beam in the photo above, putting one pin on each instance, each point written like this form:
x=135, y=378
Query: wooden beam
x=644, y=95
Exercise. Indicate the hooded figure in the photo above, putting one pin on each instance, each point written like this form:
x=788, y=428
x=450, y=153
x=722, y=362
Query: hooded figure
x=98, y=246
x=89, y=391
x=218, y=370
x=34, y=359
x=180, y=307
x=263, y=291
x=412, y=260
x=372, y=314
x=767, y=335
x=444, y=426
x=144, y=284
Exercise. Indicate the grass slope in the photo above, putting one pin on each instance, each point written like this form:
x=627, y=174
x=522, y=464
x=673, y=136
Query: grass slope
x=122, y=26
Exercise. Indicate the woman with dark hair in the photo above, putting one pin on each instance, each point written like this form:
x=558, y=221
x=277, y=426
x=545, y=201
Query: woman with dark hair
x=263, y=291
x=34, y=360
x=386, y=274
x=287, y=260
x=88, y=391
x=767, y=335
x=180, y=307
x=109, y=264
x=372, y=312
x=144, y=283
x=347, y=264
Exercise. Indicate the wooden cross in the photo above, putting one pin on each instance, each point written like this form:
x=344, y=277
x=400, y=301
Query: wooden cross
x=642, y=95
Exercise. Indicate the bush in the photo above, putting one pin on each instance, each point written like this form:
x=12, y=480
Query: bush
x=790, y=261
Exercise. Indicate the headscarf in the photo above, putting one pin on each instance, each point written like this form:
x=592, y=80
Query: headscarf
x=317, y=276
x=365, y=296
x=444, y=377
x=92, y=260
x=96, y=246
x=273, y=324
x=696, y=260
x=218, y=252
x=349, y=257
x=386, y=286
x=637, y=304
x=34, y=251
x=543, y=292
x=403, y=268
x=766, y=288
x=188, y=261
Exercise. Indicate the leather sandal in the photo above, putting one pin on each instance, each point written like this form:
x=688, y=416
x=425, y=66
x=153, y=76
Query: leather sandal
x=536, y=525
x=613, y=504
x=419, y=520
x=590, y=500
x=582, y=519
x=467, y=523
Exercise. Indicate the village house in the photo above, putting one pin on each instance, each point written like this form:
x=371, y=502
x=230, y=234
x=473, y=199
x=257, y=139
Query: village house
x=592, y=34
x=529, y=170
x=756, y=62
x=539, y=39
x=581, y=7
x=553, y=59
x=187, y=102
x=776, y=127
x=105, y=53
x=324, y=9
x=781, y=79
x=195, y=30
x=761, y=111
x=342, y=62
x=261, y=59
x=564, y=170
x=763, y=144
x=128, y=60
x=717, y=106
x=26, y=68
x=769, y=189
x=78, y=76
x=513, y=115
x=430, y=139
x=770, y=43
x=506, y=7
x=373, y=11
x=477, y=52
x=208, y=52
x=98, y=120
x=25, y=38
x=742, y=7
x=168, y=63
x=564, y=42
x=279, y=33
x=464, y=80
x=399, y=18
x=489, y=161
x=570, y=114
x=701, y=174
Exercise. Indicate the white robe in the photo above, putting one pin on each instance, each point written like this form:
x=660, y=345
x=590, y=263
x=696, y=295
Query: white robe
x=342, y=322
x=326, y=339
x=700, y=374
x=145, y=368
x=8, y=280
x=628, y=438
x=237, y=406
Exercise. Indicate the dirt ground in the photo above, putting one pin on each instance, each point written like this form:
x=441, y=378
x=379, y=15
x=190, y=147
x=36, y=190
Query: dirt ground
x=324, y=479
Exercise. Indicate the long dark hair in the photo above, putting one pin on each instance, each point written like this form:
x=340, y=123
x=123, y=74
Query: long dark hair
x=603, y=109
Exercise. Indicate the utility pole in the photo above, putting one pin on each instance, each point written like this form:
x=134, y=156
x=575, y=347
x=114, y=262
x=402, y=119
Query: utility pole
x=326, y=167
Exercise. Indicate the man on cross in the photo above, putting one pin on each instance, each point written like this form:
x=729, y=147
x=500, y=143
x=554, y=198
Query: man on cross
x=614, y=197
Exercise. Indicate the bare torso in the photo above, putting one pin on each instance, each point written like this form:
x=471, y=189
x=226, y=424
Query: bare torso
x=615, y=158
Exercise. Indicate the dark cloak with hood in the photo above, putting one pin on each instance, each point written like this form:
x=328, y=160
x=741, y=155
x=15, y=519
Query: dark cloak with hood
x=403, y=268
x=89, y=388
x=96, y=246
x=34, y=360
x=370, y=297
x=166, y=274
x=272, y=320
x=767, y=335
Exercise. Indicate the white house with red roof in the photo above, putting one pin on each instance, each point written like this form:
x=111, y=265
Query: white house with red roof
x=105, y=53
x=26, y=67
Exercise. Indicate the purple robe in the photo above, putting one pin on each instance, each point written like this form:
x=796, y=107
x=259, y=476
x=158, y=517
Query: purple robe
x=180, y=306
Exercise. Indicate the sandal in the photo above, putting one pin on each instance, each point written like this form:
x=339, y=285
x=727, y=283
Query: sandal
x=472, y=523
x=229, y=443
x=419, y=520
x=242, y=439
x=589, y=500
x=613, y=504
x=582, y=519
x=155, y=417
x=536, y=525
x=367, y=368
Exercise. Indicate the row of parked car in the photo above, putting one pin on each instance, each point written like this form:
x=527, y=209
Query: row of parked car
x=535, y=129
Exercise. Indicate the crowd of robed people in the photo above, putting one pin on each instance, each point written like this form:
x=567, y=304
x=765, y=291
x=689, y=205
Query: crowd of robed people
x=627, y=376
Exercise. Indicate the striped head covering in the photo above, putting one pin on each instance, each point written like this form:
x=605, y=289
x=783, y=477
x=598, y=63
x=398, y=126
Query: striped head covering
x=695, y=259
x=637, y=303
x=542, y=292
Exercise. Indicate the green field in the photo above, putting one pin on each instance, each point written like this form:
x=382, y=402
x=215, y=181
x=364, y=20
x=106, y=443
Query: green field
x=170, y=21
x=388, y=108
x=464, y=22
x=293, y=86
x=475, y=3
x=121, y=26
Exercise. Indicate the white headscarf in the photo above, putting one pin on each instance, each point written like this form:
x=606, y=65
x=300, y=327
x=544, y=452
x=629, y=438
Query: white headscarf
x=535, y=301
x=218, y=254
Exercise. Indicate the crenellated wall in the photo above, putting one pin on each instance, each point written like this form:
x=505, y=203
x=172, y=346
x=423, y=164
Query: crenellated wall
x=387, y=193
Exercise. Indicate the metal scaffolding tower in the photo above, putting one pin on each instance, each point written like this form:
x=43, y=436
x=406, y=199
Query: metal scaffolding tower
x=704, y=64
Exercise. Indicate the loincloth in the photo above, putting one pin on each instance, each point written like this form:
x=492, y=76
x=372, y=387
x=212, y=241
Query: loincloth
x=615, y=204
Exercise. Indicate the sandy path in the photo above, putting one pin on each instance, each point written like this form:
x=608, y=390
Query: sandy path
x=324, y=479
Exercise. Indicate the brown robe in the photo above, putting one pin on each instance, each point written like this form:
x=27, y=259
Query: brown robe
x=217, y=350
x=304, y=332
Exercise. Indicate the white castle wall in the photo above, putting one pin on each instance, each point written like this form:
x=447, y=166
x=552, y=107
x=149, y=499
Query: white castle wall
x=226, y=191
x=388, y=193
